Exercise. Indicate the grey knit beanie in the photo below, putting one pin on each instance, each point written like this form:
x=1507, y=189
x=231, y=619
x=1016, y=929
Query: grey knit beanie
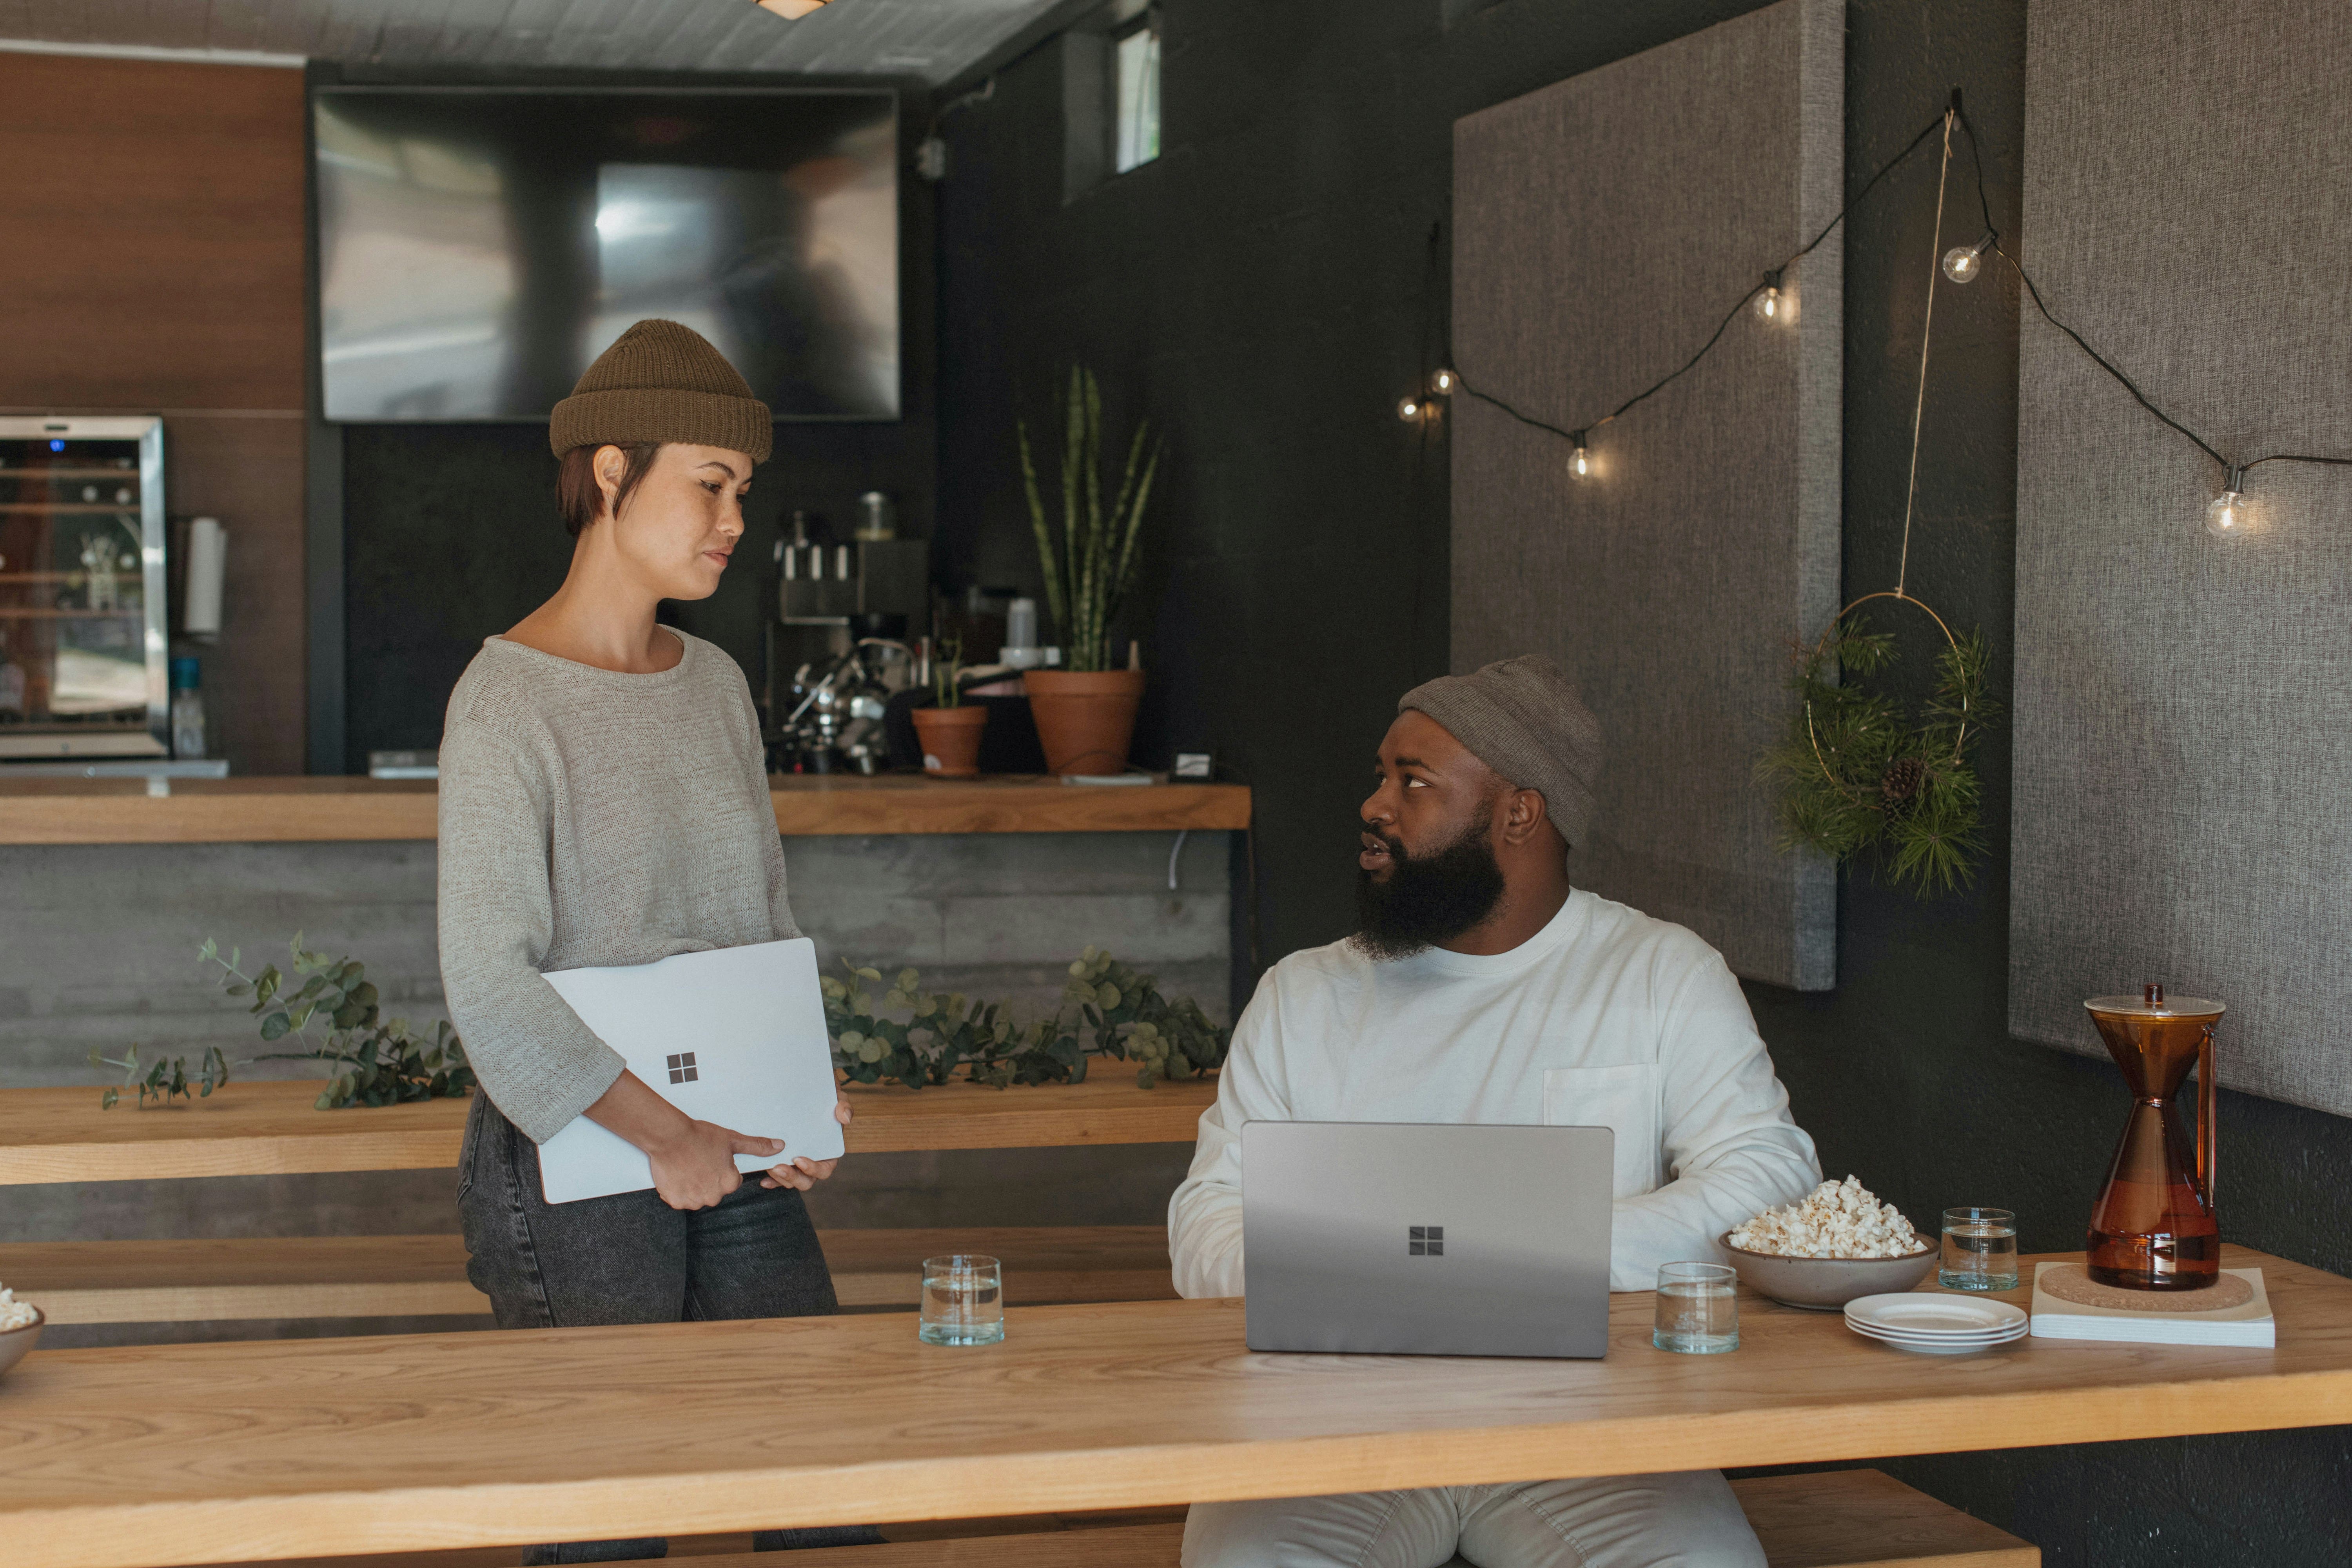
x=1522, y=718
x=662, y=382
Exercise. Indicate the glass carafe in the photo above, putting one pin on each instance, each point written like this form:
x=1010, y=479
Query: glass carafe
x=2153, y=1227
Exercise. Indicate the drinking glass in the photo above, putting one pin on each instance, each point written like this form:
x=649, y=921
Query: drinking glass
x=1698, y=1314
x=1979, y=1250
x=963, y=1300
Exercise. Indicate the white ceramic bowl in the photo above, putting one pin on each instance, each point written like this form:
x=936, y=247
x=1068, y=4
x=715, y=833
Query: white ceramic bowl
x=1825, y=1284
x=14, y=1343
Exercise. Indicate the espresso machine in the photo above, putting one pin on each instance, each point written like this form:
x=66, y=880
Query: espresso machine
x=848, y=619
x=831, y=716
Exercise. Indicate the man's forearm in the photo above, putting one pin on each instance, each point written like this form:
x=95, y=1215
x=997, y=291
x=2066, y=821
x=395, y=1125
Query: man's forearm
x=1679, y=1222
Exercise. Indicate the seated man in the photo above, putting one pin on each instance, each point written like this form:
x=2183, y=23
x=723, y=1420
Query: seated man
x=1482, y=988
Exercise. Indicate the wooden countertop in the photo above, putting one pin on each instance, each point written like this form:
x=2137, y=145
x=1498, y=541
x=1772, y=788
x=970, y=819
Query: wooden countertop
x=210, y=1453
x=307, y=810
x=255, y=1128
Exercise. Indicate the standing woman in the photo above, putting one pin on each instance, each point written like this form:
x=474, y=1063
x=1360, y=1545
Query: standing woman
x=604, y=801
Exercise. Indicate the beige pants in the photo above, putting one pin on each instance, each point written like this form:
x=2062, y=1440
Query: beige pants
x=1685, y=1520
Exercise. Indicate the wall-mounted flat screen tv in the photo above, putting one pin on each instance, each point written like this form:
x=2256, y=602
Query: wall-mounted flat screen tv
x=478, y=247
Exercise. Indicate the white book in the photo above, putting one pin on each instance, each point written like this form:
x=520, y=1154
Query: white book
x=735, y=1036
x=2248, y=1324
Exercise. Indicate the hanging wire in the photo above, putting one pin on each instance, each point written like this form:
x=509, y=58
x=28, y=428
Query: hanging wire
x=1957, y=113
x=1770, y=279
x=2033, y=293
x=1927, y=336
x=1910, y=490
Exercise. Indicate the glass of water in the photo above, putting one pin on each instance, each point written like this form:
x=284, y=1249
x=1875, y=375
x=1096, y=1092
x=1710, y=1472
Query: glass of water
x=1979, y=1250
x=1698, y=1314
x=963, y=1300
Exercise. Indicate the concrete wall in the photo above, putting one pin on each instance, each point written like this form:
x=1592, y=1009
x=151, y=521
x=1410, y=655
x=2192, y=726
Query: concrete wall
x=98, y=949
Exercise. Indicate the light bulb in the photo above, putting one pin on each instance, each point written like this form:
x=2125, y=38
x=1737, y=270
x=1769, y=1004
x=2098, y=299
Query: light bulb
x=1768, y=303
x=1409, y=409
x=1581, y=462
x=1443, y=381
x=2225, y=518
x=1963, y=262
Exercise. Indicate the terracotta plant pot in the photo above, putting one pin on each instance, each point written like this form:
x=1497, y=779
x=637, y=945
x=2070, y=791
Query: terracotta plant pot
x=1084, y=720
x=950, y=738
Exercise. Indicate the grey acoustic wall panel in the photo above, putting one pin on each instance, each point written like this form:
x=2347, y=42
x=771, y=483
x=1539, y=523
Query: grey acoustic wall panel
x=2183, y=703
x=1602, y=226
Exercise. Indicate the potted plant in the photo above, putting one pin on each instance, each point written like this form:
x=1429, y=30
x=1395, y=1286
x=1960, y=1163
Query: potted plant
x=1085, y=710
x=949, y=731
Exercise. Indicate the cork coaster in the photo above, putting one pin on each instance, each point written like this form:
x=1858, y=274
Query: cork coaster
x=2068, y=1282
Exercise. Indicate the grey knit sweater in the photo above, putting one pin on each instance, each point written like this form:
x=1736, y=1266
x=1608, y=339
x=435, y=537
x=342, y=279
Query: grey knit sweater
x=588, y=819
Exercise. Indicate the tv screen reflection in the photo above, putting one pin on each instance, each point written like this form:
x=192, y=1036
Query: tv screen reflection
x=478, y=249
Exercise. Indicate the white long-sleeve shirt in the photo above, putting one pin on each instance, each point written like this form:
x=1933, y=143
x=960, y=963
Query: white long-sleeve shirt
x=1605, y=1018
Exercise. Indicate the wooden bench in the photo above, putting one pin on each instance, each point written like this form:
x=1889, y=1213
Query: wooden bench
x=270, y=1128
x=425, y=1275
x=1830, y=1519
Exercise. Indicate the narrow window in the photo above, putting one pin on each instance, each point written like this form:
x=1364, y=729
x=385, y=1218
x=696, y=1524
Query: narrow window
x=1136, y=93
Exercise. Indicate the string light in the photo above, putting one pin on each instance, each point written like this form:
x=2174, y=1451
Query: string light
x=1963, y=262
x=2226, y=517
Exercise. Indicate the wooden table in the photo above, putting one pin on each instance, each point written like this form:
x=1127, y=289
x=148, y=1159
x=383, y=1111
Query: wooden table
x=271, y=1128
x=174, y=1454
x=314, y=810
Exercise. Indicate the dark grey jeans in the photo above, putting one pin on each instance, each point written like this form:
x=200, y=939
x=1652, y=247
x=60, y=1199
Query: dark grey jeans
x=632, y=1258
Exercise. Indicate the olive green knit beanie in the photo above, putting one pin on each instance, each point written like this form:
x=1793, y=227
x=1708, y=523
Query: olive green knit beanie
x=1522, y=718
x=662, y=382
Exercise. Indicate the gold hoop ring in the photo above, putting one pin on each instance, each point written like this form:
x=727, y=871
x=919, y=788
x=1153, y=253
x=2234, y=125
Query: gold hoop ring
x=1958, y=742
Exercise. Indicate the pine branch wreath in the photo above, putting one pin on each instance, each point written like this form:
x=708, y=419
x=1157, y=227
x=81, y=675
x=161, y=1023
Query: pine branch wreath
x=1862, y=776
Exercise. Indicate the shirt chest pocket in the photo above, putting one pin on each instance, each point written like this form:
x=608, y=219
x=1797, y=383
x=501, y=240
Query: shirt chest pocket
x=1622, y=1099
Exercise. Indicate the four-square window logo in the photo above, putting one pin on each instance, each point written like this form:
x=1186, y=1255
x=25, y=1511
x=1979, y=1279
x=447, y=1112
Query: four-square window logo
x=681, y=1068
x=1425, y=1240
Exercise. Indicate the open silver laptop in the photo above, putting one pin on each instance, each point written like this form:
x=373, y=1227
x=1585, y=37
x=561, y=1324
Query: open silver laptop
x=1400, y=1238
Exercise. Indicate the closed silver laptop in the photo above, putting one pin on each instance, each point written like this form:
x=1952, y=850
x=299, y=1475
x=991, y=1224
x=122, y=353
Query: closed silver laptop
x=1402, y=1240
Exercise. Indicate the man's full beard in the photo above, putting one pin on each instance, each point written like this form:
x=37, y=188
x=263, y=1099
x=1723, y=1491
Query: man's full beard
x=1428, y=899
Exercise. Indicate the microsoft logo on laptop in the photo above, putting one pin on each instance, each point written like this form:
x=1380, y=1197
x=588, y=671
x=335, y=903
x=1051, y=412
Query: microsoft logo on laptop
x=1425, y=1240
x=681, y=1068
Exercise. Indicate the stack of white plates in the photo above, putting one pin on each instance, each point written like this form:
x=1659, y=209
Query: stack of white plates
x=1933, y=1324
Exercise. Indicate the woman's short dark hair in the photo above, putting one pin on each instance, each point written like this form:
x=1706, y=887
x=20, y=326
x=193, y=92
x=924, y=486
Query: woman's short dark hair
x=578, y=495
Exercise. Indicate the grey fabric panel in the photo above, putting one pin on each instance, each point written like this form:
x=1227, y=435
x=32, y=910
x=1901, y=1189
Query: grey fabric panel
x=1602, y=227
x=2184, y=704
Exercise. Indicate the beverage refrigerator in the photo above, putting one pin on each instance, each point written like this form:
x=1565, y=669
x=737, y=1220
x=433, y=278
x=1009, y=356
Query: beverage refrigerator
x=83, y=636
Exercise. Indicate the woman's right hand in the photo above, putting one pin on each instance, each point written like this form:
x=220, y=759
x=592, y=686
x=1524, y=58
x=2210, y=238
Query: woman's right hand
x=695, y=1169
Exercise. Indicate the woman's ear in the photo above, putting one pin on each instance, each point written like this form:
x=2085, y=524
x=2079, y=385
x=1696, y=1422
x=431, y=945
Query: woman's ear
x=612, y=466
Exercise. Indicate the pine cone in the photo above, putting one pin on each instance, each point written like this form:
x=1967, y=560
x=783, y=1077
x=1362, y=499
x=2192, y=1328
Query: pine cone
x=1899, y=786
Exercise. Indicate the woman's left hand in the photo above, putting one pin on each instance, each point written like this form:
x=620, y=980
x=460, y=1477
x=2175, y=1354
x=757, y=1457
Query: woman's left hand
x=804, y=1173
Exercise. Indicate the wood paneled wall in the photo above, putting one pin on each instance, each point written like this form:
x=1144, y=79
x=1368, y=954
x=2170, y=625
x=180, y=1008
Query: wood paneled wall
x=152, y=261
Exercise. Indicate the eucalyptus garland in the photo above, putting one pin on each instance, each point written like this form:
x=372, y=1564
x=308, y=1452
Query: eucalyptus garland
x=1121, y=1014
x=1863, y=776
x=375, y=1060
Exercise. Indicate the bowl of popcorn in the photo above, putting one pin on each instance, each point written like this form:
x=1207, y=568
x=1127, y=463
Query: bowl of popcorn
x=20, y=1325
x=1839, y=1243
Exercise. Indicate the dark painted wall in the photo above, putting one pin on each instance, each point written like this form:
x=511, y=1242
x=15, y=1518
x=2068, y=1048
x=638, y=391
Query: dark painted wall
x=1262, y=292
x=450, y=531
